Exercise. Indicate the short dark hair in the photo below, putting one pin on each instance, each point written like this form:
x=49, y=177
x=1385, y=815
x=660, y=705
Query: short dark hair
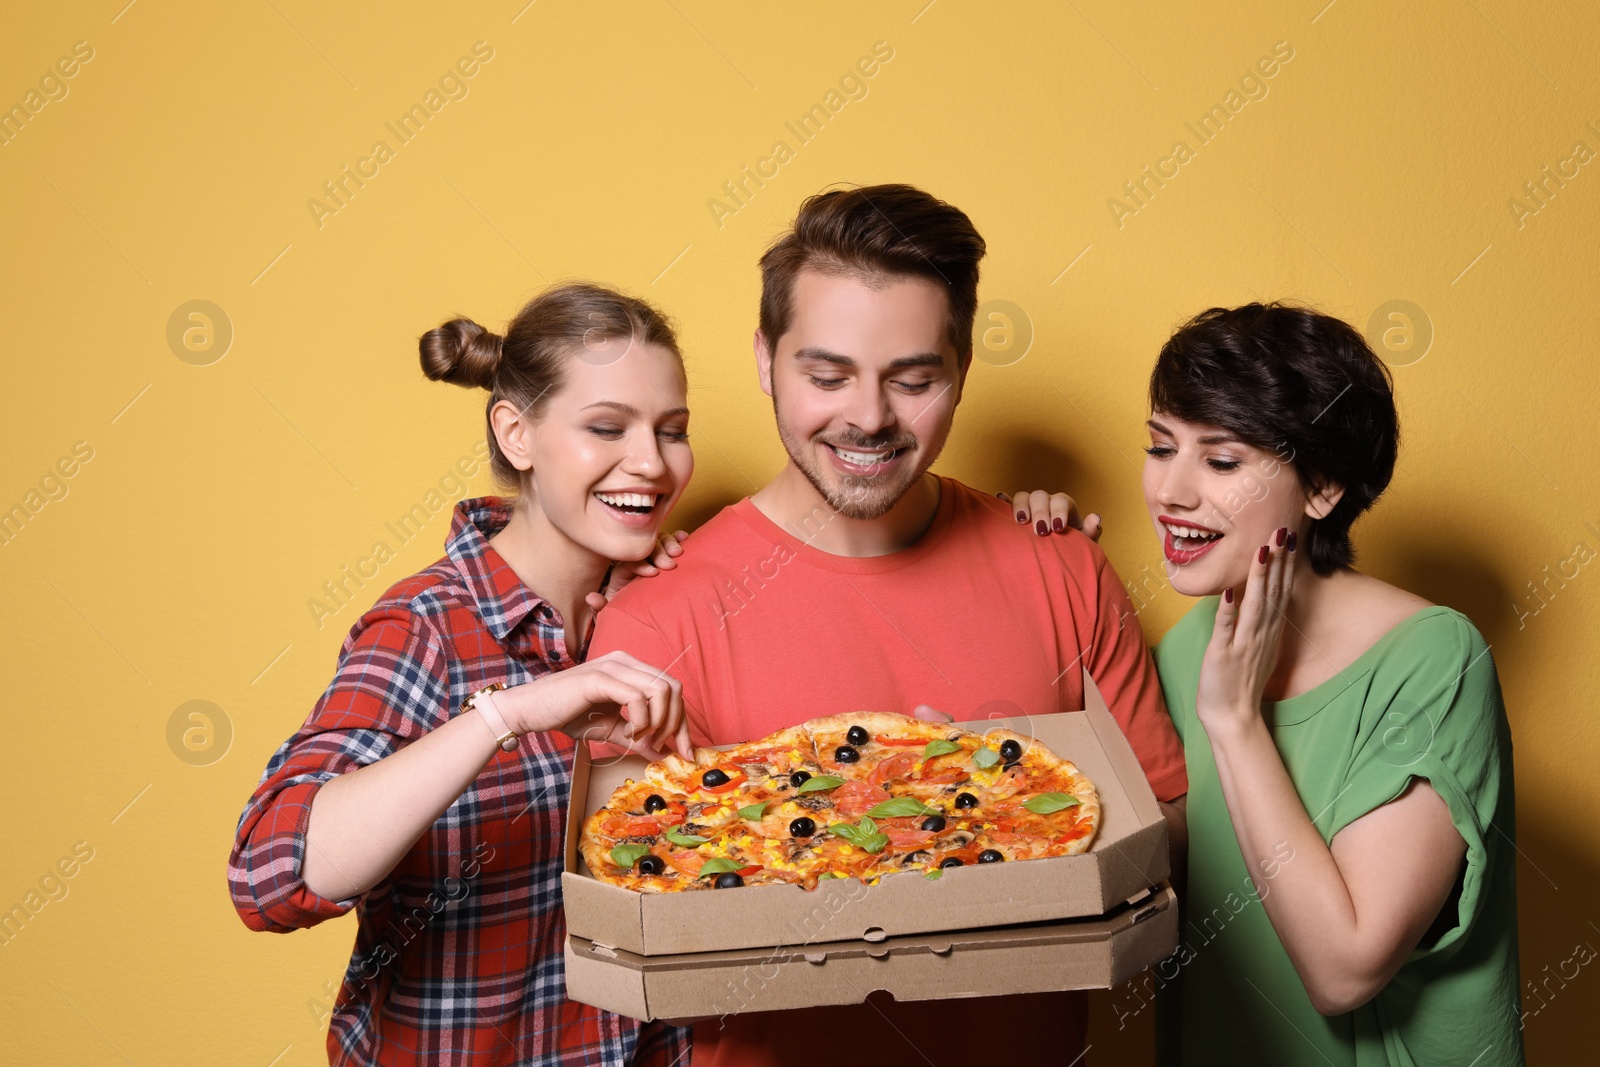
x=876, y=230
x=1300, y=383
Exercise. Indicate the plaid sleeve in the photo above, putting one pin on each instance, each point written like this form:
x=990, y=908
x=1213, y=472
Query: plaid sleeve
x=391, y=687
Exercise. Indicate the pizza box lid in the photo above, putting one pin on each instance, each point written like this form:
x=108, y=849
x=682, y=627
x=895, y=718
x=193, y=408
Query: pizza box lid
x=1128, y=856
x=1100, y=952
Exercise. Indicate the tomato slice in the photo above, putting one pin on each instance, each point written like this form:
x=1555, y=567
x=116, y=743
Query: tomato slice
x=947, y=777
x=686, y=861
x=909, y=840
x=855, y=799
x=630, y=826
x=736, y=778
x=900, y=742
x=898, y=765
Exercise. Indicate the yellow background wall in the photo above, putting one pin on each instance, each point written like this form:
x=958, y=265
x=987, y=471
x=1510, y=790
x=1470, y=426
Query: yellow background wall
x=175, y=563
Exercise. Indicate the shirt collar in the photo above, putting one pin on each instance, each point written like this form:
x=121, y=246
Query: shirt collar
x=500, y=597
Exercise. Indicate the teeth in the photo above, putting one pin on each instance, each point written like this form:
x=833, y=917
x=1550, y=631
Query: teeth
x=1190, y=533
x=629, y=500
x=863, y=459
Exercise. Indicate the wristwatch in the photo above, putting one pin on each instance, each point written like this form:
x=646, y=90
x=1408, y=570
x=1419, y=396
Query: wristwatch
x=507, y=740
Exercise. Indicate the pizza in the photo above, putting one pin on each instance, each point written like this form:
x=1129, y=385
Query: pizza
x=862, y=795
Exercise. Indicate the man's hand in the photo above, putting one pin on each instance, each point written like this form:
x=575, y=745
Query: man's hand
x=927, y=714
x=1052, y=511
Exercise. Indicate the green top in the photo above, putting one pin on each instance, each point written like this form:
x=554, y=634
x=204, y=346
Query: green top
x=1424, y=702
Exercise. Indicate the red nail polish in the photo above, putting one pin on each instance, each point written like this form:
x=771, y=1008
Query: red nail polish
x=1292, y=539
x=1057, y=525
x=1283, y=531
x=1227, y=594
x=1261, y=557
x=1042, y=526
x=1022, y=516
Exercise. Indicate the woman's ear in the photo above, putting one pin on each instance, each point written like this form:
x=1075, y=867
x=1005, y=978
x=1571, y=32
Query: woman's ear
x=1323, y=499
x=513, y=433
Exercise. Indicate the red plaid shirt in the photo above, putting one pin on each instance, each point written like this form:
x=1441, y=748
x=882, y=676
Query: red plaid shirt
x=458, y=953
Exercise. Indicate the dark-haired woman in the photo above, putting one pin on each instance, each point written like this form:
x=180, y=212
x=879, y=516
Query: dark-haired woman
x=426, y=789
x=1351, y=879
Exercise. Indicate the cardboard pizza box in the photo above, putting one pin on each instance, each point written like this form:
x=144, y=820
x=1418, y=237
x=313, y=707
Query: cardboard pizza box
x=1127, y=858
x=1095, y=953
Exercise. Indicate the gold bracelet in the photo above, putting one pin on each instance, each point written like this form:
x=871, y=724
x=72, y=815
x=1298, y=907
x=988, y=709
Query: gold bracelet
x=506, y=739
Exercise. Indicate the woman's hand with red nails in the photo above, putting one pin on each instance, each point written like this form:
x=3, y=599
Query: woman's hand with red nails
x=1244, y=639
x=1052, y=513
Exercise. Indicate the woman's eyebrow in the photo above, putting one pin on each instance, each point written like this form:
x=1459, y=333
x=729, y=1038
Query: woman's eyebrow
x=631, y=411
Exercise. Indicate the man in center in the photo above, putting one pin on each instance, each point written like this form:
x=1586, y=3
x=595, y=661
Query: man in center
x=857, y=579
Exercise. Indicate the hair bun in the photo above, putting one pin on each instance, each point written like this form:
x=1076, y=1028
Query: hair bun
x=461, y=352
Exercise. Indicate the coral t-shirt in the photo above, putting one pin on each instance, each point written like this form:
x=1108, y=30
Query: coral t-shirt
x=980, y=618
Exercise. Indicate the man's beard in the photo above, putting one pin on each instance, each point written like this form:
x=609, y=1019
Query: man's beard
x=855, y=497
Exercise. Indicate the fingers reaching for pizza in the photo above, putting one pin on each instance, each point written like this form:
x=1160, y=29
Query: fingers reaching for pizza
x=613, y=698
x=929, y=714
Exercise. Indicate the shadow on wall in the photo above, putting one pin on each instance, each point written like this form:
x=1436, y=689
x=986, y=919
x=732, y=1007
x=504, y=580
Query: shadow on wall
x=1465, y=582
x=1559, y=936
x=1002, y=461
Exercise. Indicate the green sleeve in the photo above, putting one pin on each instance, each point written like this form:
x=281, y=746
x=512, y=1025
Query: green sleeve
x=1433, y=711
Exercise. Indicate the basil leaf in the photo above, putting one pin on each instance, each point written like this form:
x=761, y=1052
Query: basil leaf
x=934, y=875
x=939, y=748
x=829, y=874
x=718, y=865
x=985, y=757
x=626, y=856
x=676, y=835
x=1045, y=803
x=900, y=808
x=864, y=836
x=753, y=812
x=820, y=782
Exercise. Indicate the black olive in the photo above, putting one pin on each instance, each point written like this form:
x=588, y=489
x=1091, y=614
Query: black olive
x=651, y=865
x=989, y=855
x=655, y=802
x=729, y=880
x=798, y=778
x=845, y=754
x=1011, y=750
x=857, y=735
x=935, y=823
x=802, y=827
x=950, y=862
x=715, y=776
x=966, y=800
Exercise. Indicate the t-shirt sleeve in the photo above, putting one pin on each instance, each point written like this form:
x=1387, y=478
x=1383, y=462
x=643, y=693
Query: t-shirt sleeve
x=616, y=628
x=389, y=689
x=1117, y=658
x=1435, y=712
